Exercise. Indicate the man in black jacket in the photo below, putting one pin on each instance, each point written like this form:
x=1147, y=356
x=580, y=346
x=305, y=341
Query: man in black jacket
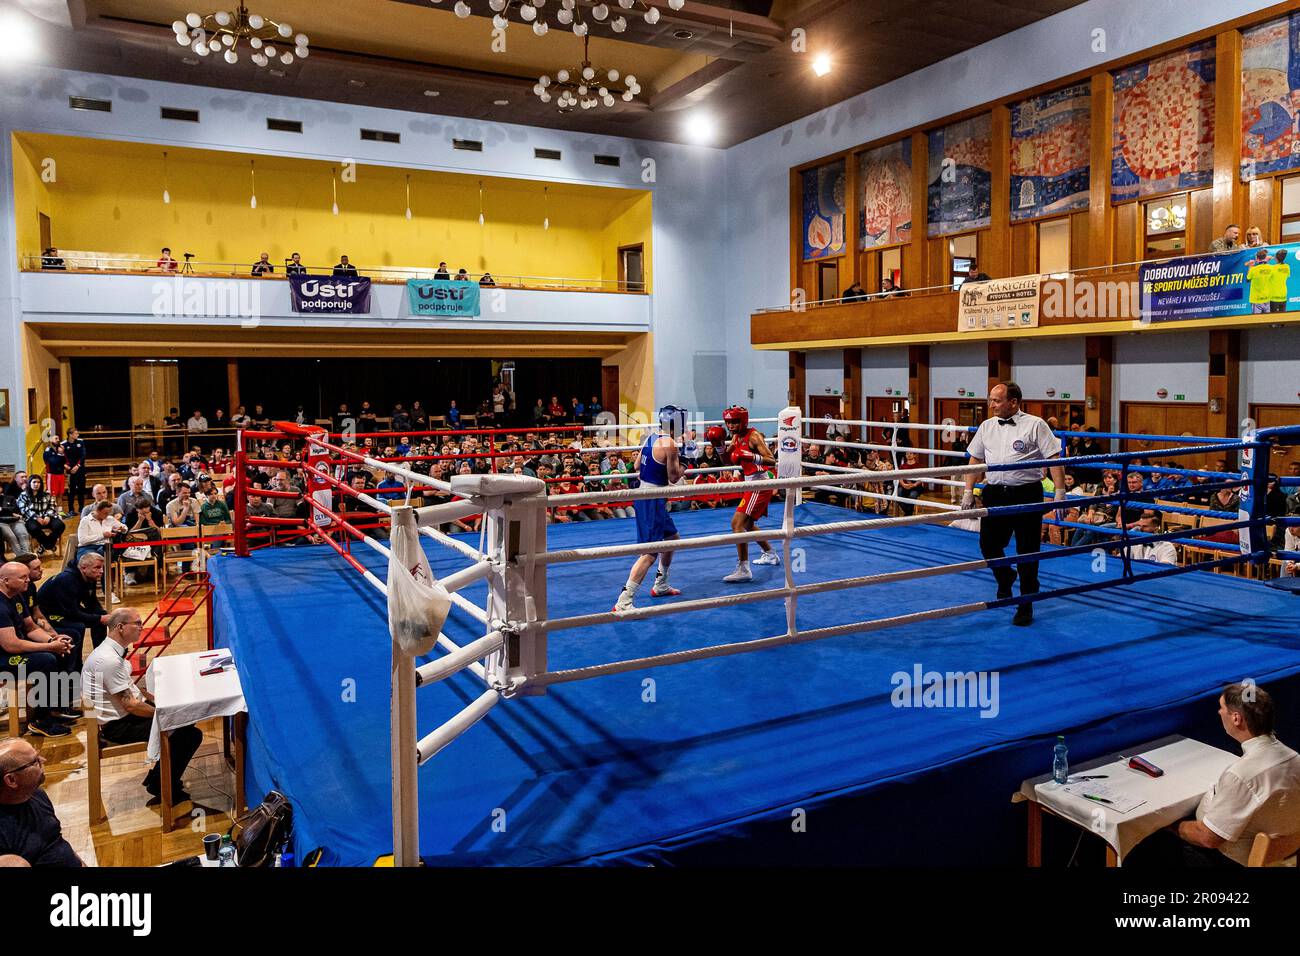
x=74, y=449
x=69, y=601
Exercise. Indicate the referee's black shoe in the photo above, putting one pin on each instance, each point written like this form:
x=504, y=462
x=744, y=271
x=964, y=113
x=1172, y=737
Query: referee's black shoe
x=1024, y=616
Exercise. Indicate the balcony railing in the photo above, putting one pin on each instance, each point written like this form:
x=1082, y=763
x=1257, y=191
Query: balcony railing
x=120, y=264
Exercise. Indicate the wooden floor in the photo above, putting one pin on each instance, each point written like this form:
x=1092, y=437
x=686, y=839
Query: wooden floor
x=132, y=835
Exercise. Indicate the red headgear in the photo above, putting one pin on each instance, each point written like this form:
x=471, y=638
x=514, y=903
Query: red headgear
x=737, y=414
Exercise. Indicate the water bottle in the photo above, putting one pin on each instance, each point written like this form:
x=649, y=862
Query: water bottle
x=1060, y=761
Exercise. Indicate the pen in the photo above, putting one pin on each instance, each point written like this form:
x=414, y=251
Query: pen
x=1099, y=776
x=1088, y=796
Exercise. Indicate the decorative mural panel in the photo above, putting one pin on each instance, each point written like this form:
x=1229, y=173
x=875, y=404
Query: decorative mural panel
x=885, y=195
x=1163, y=134
x=1270, y=98
x=823, y=211
x=1050, y=142
x=959, y=176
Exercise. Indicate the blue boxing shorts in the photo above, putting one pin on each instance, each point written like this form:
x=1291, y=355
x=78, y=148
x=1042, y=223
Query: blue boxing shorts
x=652, y=520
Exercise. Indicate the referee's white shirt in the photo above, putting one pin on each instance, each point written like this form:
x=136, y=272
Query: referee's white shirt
x=1027, y=438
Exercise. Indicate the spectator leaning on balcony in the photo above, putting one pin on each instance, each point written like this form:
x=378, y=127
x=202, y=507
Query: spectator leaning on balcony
x=401, y=419
x=196, y=422
x=973, y=273
x=442, y=272
x=891, y=289
x=486, y=280
x=345, y=268
x=462, y=275
x=165, y=261
x=40, y=512
x=51, y=259
x=854, y=293
x=294, y=266
x=1228, y=241
x=453, y=416
x=263, y=267
x=240, y=419
x=1254, y=238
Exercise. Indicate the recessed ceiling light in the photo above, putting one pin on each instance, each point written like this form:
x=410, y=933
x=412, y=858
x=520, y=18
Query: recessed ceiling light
x=822, y=64
x=357, y=83
x=500, y=102
x=432, y=92
x=20, y=36
x=276, y=72
x=189, y=61
x=683, y=34
x=699, y=128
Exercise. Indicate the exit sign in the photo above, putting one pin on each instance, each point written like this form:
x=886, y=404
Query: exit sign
x=1065, y=394
x=1180, y=398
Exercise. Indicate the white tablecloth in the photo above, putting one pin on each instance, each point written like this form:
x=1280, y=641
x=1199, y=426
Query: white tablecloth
x=1190, y=767
x=182, y=697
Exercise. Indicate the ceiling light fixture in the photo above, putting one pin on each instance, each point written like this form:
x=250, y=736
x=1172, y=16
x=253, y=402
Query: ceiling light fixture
x=432, y=92
x=546, y=207
x=19, y=34
x=334, y=180
x=822, y=64
x=408, y=197
x=699, y=128
x=480, y=202
x=223, y=33
x=252, y=172
x=568, y=14
x=167, y=196
x=584, y=86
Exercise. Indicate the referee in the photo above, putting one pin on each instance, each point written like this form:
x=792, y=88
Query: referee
x=1012, y=435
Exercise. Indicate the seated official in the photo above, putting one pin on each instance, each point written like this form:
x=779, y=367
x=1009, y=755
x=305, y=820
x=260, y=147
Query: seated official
x=345, y=268
x=29, y=828
x=124, y=713
x=294, y=266
x=52, y=260
x=69, y=601
x=1162, y=552
x=27, y=651
x=1259, y=793
x=98, y=530
x=263, y=267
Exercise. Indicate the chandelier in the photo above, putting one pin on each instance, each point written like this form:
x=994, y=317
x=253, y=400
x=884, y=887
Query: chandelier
x=583, y=86
x=569, y=14
x=223, y=32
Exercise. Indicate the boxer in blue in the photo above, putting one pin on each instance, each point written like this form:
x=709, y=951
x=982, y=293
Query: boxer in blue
x=659, y=464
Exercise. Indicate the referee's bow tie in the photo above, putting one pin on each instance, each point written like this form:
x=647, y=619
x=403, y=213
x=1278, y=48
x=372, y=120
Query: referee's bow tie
x=1006, y=421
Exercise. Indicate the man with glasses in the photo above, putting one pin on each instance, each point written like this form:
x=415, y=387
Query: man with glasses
x=28, y=652
x=29, y=828
x=124, y=713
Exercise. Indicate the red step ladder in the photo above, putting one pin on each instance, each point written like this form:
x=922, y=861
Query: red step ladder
x=187, y=596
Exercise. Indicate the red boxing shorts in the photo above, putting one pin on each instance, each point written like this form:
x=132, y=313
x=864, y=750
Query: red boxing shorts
x=754, y=504
x=56, y=485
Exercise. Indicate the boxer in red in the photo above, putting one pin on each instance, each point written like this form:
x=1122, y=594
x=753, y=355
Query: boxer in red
x=748, y=450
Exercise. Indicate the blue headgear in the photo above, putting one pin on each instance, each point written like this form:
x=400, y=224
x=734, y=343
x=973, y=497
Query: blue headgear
x=673, y=419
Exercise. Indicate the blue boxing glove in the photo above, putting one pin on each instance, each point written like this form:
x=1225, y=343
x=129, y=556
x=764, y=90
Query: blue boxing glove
x=690, y=449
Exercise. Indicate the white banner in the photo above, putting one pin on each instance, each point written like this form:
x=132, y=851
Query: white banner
x=999, y=304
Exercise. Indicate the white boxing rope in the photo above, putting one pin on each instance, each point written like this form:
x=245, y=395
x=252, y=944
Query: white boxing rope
x=633, y=425
x=920, y=502
x=458, y=660
x=471, y=608
x=928, y=481
x=804, y=440
x=744, y=647
x=764, y=484
x=463, y=721
x=924, y=426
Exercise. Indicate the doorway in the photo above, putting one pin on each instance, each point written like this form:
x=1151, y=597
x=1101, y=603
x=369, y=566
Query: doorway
x=631, y=268
x=609, y=388
x=55, y=379
x=1271, y=416
x=1157, y=418
x=46, y=240
x=828, y=281
x=819, y=407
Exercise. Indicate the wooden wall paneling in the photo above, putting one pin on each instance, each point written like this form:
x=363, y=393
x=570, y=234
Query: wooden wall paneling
x=1128, y=243
x=1229, y=194
x=232, y=384
x=851, y=405
x=849, y=263
x=1224, y=384
x=1101, y=214
x=1193, y=419
x=1201, y=231
x=798, y=378
x=999, y=362
x=1081, y=240
x=916, y=254
x=1024, y=249
x=796, y=235
x=1272, y=416
x=1099, y=355
x=918, y=384
x=871, y=272
x=1261, y=205
x=939, y=262
x=995, y=258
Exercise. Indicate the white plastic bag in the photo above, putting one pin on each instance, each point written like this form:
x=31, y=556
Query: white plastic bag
x=417, y=604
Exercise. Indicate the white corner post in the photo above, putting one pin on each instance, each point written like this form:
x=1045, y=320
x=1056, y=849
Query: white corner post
x=515, y=535
x=789, y=464
x=405, y=762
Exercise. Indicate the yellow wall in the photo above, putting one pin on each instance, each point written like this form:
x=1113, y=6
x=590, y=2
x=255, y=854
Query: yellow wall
x=108, y=197
x=636, y=377
x=629, y=226
x=31, y=197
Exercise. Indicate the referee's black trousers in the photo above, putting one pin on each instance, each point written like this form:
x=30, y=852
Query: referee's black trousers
x=996, y=532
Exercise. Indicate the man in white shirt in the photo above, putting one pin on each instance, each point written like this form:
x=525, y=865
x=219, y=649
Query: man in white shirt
x=123, y=712
x=1010, y=435
x=197, y=423
x=1161, y=552
x=1260, y=793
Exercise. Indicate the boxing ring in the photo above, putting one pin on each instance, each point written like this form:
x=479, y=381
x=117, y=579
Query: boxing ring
x=798, y=754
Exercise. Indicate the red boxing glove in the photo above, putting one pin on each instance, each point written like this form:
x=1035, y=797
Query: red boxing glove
x=716, y=436
x=739, y=455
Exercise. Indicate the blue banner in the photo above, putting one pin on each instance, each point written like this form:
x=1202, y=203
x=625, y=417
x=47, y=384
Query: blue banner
x=443, y=297
x=330, y=295
x=1245, y=281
